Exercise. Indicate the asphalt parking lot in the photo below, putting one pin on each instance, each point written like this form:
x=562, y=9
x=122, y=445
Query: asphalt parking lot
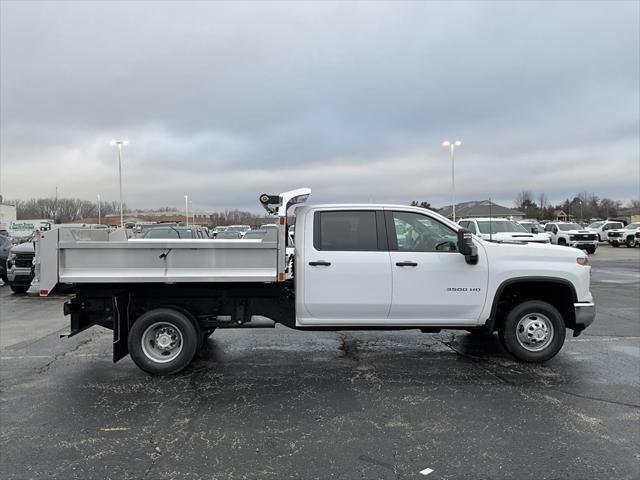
x=284, y=404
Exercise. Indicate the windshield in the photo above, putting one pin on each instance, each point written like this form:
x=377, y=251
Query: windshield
x=632, y=226
x=596, y=225
x=565, y=227
x=497, y=226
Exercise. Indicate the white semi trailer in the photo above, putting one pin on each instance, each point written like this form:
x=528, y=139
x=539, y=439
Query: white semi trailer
x=353, y=267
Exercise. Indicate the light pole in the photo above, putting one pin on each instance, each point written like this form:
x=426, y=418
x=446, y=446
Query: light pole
x=452, y=145
x=581, y=214
x=120, y=144
x=186, y=210
x=99, y=218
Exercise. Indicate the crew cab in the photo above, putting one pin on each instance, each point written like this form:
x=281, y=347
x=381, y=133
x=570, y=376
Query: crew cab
x=501, y=230
x=629, y=236
x=353, y=267
x=570, y=234
x=601, y=229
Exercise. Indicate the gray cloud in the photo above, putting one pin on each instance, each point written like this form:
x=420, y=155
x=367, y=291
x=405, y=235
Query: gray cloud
x=226, y=100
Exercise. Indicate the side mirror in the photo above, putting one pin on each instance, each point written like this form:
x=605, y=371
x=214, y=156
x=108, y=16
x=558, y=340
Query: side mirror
x=555, y=230
x=466, y=246
x=534, y=230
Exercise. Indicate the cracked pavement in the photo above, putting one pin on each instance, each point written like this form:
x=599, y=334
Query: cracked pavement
x=283, y=404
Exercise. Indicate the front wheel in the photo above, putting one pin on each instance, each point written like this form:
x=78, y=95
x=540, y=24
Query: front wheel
x=631, y=242
x=533, y=331
x=590, y=250
x=163, y=341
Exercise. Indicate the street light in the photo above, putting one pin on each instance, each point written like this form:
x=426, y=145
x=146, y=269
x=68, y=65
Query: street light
x=581, y=215
x=99, y=222
x=119, y=144
x=452, y=145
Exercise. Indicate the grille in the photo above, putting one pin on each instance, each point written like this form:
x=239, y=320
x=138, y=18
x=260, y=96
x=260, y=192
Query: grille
x=615, y=234
x=585, y=237
x=24, y=260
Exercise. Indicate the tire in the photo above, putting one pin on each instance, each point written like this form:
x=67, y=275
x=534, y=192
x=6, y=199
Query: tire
x=533, y=331
x=590, y=250
x=562, y=242
x=631, y=242
x=163, y=325
x=19, y=288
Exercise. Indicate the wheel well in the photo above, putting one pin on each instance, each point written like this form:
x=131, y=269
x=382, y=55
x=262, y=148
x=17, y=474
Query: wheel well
x=559, y=294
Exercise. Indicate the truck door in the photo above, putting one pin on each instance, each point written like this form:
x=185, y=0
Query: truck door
x=432, y=283
x=347, y=270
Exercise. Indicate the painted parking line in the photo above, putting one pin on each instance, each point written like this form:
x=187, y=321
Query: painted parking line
x=426, y=471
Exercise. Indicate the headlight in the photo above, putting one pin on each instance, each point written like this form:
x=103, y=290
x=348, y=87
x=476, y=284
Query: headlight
x=584, y=261
x=572, y=237
x=11, y=257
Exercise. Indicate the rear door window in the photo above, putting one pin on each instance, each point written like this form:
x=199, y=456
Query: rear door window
x=346, y=230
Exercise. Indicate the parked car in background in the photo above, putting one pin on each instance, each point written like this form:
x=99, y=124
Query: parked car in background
x=501, y=229
x=19, y=267
x=572, y=235
x=5, y=248
x=229, y=235
x=629, y=236
x=175, y=232
x=217, y=230
x=532, y=226
x=601, y=229
x=255, y=234
x=239, y=228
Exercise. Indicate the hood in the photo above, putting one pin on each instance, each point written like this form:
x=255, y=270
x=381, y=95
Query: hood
x=578, y=232
x=26, y=247
x=517, y=236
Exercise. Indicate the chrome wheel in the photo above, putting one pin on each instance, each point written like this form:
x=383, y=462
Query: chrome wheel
x=162, y=342
x=534, y=332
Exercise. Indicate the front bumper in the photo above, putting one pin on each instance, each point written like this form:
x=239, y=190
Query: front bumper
x=20, y=275
x=583, y=243
x=585, y=314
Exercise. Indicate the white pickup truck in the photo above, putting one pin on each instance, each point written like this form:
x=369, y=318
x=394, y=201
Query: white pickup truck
x=572, y=235
x=629, y=236
x=353, y=267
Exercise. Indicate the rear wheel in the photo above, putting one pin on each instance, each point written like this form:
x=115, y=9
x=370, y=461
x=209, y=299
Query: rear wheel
x=533, y=331
x=19, y=288
x=163, y=341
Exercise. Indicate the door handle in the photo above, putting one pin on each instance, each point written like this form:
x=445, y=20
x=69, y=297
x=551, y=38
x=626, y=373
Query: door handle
x=320, y=263
x=406, y=264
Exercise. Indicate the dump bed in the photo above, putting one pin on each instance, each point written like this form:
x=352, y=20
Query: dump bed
x=77, y=256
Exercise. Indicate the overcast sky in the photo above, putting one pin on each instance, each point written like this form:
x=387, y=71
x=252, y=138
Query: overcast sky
x=223, y=101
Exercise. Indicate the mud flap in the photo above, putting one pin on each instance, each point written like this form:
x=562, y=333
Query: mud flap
x=79, y=318
x=121, y=326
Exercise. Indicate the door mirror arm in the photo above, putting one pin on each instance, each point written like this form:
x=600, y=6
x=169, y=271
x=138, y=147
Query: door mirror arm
x=466, y=246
